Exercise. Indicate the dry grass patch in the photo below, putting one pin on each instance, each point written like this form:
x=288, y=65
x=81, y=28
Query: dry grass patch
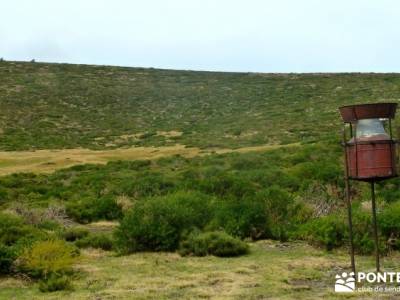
x=170, y=134
x=46, y=161
x=101, y=226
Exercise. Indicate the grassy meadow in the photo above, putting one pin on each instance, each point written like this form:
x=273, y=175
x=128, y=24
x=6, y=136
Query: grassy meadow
x=272, y=271
x=130, y=183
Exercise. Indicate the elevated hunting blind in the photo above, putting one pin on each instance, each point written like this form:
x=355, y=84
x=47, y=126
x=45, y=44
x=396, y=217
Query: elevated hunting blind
x=369, y=154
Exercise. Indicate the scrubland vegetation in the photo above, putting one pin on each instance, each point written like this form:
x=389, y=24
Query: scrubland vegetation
x=211, y=205
x=209, y=210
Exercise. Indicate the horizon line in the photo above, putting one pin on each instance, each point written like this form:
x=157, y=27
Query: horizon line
x=194, y=70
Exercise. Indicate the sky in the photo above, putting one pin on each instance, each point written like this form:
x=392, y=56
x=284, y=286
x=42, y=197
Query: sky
x=214, y=35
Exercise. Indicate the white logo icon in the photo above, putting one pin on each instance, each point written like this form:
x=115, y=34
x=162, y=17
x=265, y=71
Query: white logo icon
x=345, y=282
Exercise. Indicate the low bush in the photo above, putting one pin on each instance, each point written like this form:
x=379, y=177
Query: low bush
x=216, y=243
x=92, y=209
x=7, y=257
x=224, y=184
x=332, y=231
x=100, y=240
x=389, y=190
x=158, y=223
x=328, y=231
x=49, y=225
x=11, y=229
x=148, y=184
x=389, y=220
x=242, y=218
x=14, y=230
x=75, y=233
x=283, y=212
x=270, y=213
x=362, y=231
x=45, y=258
x=54, y=283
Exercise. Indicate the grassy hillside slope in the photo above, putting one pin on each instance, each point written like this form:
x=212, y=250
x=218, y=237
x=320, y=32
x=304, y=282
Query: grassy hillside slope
x=53, y=106
x=221, y=161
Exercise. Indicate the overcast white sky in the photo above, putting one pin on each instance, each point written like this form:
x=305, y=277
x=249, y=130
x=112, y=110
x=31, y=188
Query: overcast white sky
x=226, y=35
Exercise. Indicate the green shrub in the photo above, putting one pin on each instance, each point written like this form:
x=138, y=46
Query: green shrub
x=158, y=223
x=7, y=257
x=216, y=243
x=224, y=184
x=389, y=220
x=13, y=230
x=362, y=231
x=332, y=231
x=327, y=231
x=148, y=184
x=88, y=209
x=54, y=283
x=100, y=240
x=75, y=233
x=270, y=213
x=49, y=225
x=45, y=258
x=283, y=212
x=389, y=190
x=242, y=218
x=107, y=208
x=81, y=211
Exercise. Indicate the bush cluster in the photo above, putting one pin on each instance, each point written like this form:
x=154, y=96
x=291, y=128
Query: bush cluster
x=94, y=209
x=7, y=258
x=36, y=251
x=158, y=223
x=328, y=231
x=216, y=243
x=15, y=236
x=14, y=230
x=389, y=220
x=332, y=231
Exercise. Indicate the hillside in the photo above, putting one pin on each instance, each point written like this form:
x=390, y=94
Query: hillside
x=54, y=106
x=165, y=184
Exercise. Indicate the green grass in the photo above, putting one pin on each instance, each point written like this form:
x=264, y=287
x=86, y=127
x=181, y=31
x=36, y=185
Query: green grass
x=51, y=106
x=271, y=271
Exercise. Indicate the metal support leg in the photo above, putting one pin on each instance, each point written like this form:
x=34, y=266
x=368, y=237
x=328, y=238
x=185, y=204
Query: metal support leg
x=348, y=200
x=374, y=224
x=349, y=216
